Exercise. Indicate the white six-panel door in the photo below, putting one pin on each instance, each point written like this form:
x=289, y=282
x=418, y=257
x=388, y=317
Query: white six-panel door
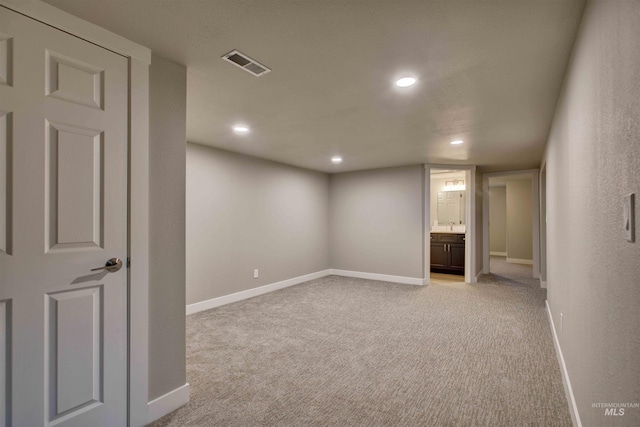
x=63, y=211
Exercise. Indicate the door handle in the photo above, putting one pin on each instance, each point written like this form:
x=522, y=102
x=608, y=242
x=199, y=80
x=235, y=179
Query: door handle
x=113, y=265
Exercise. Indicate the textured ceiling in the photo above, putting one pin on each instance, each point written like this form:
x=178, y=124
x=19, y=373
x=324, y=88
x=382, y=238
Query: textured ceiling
x=489, y=72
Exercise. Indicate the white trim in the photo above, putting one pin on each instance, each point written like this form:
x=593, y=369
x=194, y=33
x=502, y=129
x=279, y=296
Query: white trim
x=68, y=23
x=573, y=407
x=486, y=258
x=380, y=277
x=535, y=219
x=478, y=275
x=139, y=243
x=470, y=247
x=167, y=403
x=542, y=178
x=250, y=293
x=543, y=284
x=495, y=253
x=426, y=225
x=520, y=261
x=470, y=226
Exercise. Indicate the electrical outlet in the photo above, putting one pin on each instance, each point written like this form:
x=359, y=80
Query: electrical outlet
x=256, y=273
x=561, y=321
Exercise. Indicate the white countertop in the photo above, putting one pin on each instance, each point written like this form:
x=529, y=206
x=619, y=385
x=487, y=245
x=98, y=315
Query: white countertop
x=448, y=232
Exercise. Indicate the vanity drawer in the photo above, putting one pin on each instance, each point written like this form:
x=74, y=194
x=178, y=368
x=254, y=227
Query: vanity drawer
x=448, y=238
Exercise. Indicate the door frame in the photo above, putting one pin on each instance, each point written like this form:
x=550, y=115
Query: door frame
x=139, y=59
x=543, y=225
x=535, y=217
x=470, y=213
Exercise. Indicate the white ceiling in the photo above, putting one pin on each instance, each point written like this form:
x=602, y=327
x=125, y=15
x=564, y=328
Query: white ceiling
x=489, y=71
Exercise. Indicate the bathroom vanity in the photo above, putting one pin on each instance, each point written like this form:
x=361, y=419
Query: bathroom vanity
x=447, y=252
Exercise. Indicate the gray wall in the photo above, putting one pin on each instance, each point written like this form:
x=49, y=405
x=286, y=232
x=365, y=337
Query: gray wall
x=167, y=132
x=377, y=221
x=245, y=213
x=519, y=220
x=593, y=159
x=498, y=219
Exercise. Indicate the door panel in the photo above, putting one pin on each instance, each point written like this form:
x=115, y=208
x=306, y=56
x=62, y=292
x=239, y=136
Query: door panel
x=74, y=359
x=5, y=362
x=6, y=57
x=74, y=157
x=75, y=81
x=5, y=181
x=63, y=159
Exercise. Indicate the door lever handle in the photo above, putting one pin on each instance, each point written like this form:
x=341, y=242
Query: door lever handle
x=113, y=265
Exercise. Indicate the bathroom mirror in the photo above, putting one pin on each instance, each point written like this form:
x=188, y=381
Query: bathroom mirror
x=451, y=207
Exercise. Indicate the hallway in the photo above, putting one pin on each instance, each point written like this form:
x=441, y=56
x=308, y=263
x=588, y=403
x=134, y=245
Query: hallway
x=510, y=273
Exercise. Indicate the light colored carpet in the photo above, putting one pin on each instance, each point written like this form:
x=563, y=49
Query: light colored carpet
x=510, y=273
x=351, y=352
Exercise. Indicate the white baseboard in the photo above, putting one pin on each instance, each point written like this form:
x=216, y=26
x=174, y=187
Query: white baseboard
x=568, y=391
x=478, y=276
x=543, y=284
x=494, y=253
x=381, y=277
x=520, y=261
x=169, y=402
x=250, y=293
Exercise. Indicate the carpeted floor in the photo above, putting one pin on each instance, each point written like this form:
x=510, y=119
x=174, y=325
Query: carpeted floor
x=515, y=274
x=352, y=352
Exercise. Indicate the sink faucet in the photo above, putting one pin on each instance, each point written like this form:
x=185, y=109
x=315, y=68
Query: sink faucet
x=451, y=225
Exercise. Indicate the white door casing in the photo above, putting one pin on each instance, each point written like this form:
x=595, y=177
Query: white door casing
x=63, y=158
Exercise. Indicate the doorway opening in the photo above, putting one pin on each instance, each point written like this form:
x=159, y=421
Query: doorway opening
x=511, y=224
x=449, y=213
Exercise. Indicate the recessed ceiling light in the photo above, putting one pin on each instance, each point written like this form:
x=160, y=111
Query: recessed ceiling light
x=336, y=159
x=405, y=82
x=458, y=142
x=241, y=128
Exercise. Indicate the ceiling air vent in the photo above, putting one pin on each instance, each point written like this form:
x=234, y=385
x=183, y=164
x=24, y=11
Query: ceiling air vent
x=246, y=63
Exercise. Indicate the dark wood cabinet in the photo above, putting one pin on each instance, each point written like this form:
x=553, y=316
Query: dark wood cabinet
x=447, y=253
